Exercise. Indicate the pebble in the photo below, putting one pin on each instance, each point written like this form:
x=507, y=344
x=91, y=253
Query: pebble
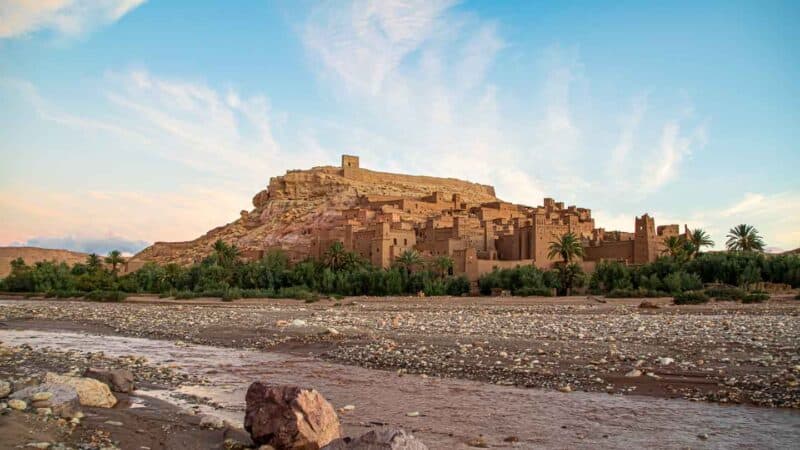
x=19, y=405
x=413, y=414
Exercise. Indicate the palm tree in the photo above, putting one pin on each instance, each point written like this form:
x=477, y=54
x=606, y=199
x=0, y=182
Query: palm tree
x=443, y=264
x=114, y=259
x=336, y=256
x=744, y=238
x=567, y=246
x=93, y=262
x=408, y=260
x=569, y=274
x=674, y=246
x=699, y=239
x=225, y=254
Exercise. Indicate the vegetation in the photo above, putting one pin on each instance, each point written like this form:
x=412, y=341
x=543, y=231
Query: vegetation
x=691, y=298
x=744, y=238
x=755, y=297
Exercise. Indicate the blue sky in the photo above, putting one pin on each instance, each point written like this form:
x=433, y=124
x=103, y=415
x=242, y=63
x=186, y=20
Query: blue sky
x=131, y=121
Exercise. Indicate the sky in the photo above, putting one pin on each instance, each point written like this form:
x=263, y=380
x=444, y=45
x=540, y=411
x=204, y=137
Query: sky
x=126, y=122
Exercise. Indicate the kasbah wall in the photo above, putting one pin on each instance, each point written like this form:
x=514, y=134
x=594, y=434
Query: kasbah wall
x=482, y=236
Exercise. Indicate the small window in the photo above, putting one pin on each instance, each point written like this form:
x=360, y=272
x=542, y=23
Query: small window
x=405, y=241
x=395, y=241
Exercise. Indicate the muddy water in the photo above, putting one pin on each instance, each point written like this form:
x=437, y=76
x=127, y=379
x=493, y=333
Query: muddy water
x=451, y=411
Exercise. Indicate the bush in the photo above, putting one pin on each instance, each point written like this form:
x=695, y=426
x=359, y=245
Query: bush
x=297, y=293
x=636, y=293
x=755, y=297
x=106, y=296
x=533, y=292
x=64, y=294
x=457, y=286
x=691, y=298
x=725, y=293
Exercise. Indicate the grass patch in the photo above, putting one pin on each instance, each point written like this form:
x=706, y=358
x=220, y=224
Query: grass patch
x=723, y=293
x=636, y=293
x=755, y=297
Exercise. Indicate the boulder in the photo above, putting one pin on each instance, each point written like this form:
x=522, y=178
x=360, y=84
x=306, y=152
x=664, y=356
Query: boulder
x=381, y=439
x=647, y=304
x=119, y=380
x=289, y=417
x=90, y=391
x=5, y=389
x=63, y=399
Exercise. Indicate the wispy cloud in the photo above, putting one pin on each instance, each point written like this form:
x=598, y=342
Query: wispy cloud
x=66, y=17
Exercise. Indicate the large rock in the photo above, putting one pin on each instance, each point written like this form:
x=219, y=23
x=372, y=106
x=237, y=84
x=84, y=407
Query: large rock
x=381, y=439
x=119, y=380
x=289, y=417
x=64, y=400
x=5, y=389
x=90, y=391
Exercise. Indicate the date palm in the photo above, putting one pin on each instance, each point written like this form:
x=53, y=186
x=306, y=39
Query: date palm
x=336, y=256
x=93, y=262
x=408, y=260
x=114, y=259
x=744, y=238
x=225, y=254
x=443, y=264
x=568, y=246
x=699, y=239
x=674, y=246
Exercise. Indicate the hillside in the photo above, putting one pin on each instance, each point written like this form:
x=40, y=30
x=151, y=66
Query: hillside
x=298, y=205
x=33, y=255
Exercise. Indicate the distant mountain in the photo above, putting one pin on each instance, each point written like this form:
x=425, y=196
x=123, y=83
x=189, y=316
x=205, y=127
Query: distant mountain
x=33, y=255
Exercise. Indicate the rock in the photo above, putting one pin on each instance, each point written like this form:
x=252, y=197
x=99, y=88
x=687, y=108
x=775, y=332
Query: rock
x=413, y=414
x=119, y=380
x=298, y=323
x=381, y=439
x=41, y=404
x=44, y=411
x=42, y=445
x=213, y=422
x=566, y=388
x=665, y=361
x=90, y=391
x=647, y=304
x=634, y=373
x=289, y=417
x=63, y=400
x=479, y=442
x=19, y=405
x=114, y=423
x=41, y=396
x=5, y=389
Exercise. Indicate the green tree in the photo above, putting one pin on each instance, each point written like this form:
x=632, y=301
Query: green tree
x=699, y=239
x=336, y=256
x=676, y=247
x=409, y=260
x=571, y=275
x=443, y=265
x=744, y=238
x=93, y=262
x=567, y=247
x=114, y=259
x=225, y=255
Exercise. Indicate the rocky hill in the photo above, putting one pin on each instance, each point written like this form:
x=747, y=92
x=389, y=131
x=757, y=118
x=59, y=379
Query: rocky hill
x=33, y=255
x=297, y=205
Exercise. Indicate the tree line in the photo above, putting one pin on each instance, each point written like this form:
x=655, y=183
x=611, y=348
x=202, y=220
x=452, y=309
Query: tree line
x=682, y=267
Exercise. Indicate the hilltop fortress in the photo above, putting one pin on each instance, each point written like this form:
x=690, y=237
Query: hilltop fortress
x=380, y=215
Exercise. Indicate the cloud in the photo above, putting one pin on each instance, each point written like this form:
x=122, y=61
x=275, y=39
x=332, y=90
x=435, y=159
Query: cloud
x=673, y=148
x=66, y=17
x=87, y=244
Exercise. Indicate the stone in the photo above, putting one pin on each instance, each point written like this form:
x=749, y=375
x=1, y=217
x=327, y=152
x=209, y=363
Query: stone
x=90, y=391
x=381, y=439
x=298, y=323
x=289, y=417
x=634, y=373
x=665, y=361
x=41, y=396
x=647, y=304
x=5, y=389
x=41, y=445
x=210, y=421
x=19, y=405
x=119, y=380
x=63, y=399
x=44, y=411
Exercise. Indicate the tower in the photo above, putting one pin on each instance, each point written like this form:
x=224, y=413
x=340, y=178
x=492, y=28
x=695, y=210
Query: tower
x=350, y=166
x=644, y=240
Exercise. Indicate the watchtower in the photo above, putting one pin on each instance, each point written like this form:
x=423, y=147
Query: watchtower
x=644, y=240
x=350, y=166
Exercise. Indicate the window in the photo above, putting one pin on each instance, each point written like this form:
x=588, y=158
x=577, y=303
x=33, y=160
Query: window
x=405, y=242
x=395, y=241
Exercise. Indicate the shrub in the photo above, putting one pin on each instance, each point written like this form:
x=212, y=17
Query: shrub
x=297, y=293
x=755, y=297
x=691, y=298
x=725, y=293
x=231, y=295
x=457, y=286
x=184, y=295
x=106, y=296
x=533, y=292
x=636, y=293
